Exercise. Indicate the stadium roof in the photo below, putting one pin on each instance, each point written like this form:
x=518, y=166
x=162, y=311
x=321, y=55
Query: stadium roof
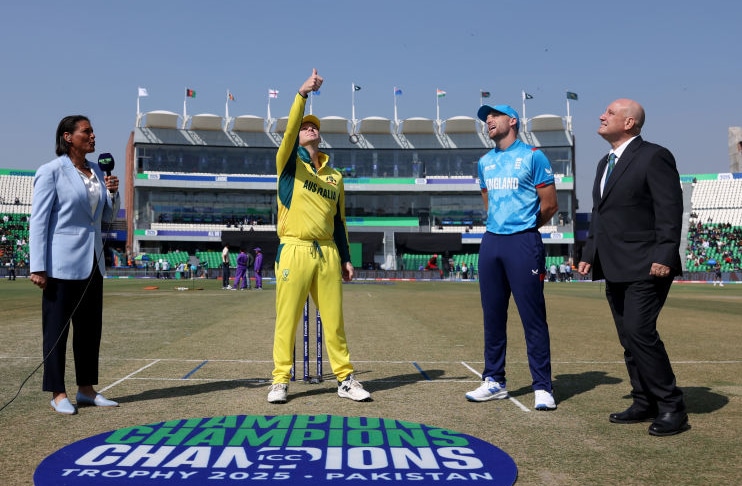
x=161, y=119
x=248, y=123
x=206, y=121
x=374, y=132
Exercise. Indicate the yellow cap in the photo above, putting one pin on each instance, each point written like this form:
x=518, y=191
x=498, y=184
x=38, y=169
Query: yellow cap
x=311, y=119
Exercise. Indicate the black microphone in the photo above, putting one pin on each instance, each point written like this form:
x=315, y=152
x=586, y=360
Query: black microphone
x=106, y=163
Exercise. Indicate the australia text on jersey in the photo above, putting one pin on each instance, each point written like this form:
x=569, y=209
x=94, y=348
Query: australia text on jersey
x=314, y=187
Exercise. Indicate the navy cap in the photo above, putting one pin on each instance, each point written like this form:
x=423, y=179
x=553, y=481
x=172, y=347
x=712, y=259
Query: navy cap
x=508, y=110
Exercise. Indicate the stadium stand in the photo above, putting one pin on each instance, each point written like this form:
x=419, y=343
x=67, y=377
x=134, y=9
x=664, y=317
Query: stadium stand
x=715, y=228
x=16, y=191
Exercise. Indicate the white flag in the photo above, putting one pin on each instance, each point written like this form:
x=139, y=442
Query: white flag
x=143, y=92
x=272, y=93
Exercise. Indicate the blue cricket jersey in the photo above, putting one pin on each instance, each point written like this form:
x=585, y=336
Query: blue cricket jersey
x=511, y=177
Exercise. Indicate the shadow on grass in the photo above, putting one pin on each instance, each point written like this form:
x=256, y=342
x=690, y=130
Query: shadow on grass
x=568, y=385
x=396, y=381
x=700, y=399
x=190, y=390
x=297, y=389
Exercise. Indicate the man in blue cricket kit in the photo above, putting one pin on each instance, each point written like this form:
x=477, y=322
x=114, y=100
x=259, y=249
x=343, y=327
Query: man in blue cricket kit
x=519, y=196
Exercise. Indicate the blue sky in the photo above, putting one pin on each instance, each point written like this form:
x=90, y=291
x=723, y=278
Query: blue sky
x=679, y=59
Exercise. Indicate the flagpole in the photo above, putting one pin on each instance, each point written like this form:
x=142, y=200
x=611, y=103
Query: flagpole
x=226, y=111
x=353, y=103
x=185, y=114
x=523, y=96
x=311, y=101
x=437, y=107
x=569, y=118
x=396, y=118
x=394, y=95
x=269, y=110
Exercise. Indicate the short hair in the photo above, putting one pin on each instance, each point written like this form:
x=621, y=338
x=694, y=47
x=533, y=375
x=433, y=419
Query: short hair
x=68, y=124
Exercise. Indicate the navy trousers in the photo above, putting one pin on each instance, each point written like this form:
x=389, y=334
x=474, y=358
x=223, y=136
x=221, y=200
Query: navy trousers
x=79, y=303
x=514, y=265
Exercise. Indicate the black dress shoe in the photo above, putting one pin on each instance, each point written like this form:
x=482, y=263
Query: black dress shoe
x=632, y=415
x=669, y=423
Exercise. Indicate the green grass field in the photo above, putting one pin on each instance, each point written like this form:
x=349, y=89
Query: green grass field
x=152, y=339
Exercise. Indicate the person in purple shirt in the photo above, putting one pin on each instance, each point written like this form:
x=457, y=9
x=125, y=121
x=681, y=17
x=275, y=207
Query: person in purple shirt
x=258, y=269
x=240, y=276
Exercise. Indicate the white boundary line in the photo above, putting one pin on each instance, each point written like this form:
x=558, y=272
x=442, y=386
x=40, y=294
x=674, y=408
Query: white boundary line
x=516, y=402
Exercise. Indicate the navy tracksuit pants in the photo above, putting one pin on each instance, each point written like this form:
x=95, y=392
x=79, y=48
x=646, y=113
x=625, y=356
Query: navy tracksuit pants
x=514, y=264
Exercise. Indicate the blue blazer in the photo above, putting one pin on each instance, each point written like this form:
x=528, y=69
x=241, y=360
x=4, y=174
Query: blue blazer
x=64, y=234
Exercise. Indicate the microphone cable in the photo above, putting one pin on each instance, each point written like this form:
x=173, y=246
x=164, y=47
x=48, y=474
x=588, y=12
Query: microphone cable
x=69, y=320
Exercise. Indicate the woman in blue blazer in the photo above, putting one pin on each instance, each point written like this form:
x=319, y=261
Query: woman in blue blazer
x=71, y=198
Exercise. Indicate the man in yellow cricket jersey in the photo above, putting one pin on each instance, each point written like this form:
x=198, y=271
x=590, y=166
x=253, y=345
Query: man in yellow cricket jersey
x=314, y=255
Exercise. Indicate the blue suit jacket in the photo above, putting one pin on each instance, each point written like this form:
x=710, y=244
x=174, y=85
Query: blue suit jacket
x=64, y=234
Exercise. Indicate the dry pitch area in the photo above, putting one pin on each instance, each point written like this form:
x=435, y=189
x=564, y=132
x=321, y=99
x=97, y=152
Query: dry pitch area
x=170, y=354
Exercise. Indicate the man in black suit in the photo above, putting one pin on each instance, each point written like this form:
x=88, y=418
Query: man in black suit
x=633, y=244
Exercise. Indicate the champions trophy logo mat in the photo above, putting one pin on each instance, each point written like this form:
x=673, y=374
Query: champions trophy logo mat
x=283, y=449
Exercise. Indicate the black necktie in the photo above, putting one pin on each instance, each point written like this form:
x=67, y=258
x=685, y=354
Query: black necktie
x=611, y=165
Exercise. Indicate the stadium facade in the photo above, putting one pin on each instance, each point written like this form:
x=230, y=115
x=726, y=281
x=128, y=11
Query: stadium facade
x=411, y=190
x=411, y=185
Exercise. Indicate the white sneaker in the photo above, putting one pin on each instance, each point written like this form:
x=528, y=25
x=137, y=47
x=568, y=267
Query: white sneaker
x=544, y=400
x=488, y=390
x=278, y=393
x=350, y=388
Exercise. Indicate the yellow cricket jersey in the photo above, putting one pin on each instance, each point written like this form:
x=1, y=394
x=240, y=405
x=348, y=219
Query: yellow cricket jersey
x=311, y=203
